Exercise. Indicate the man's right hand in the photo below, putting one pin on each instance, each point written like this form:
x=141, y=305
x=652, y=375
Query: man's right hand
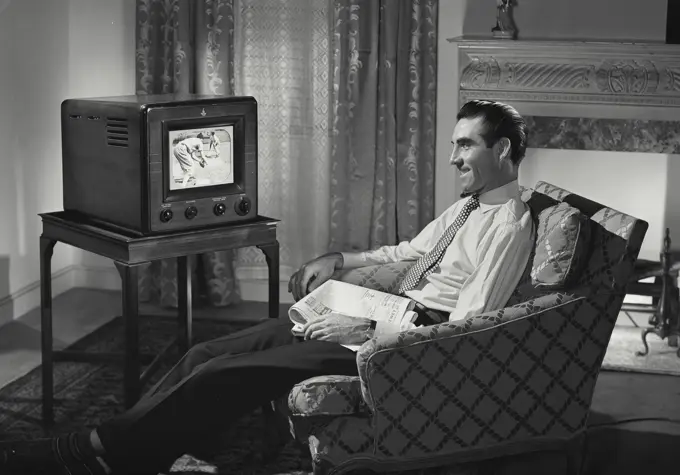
x=314, y=273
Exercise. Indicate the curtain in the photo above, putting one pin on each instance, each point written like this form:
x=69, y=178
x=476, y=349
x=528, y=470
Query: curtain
x=281, y=58
x=346, y=107
x=383, y=61
x=187, y=46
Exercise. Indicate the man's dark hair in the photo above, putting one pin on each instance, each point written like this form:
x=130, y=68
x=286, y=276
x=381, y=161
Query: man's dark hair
x=501, y=120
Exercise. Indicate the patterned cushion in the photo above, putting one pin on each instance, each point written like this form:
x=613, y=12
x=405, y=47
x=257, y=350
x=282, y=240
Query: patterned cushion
x=327, y=395
x=562, y=246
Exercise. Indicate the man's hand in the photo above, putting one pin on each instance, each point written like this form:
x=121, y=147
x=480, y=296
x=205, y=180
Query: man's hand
x=338, y=328
x=313, y=274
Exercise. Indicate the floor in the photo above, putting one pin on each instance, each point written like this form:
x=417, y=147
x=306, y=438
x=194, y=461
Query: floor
x=80, y=311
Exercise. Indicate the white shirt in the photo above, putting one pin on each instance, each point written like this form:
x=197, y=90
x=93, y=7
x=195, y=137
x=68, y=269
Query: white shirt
x=481, y=267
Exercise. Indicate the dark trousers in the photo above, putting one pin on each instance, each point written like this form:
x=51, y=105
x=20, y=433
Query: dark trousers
x=213, y=384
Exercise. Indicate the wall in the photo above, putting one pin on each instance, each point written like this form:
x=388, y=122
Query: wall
x=450, y=25
x=101, y=63
x=33, y=80
x=603, y=176
x=614, y=20
x=50, y=50
x=612, y=178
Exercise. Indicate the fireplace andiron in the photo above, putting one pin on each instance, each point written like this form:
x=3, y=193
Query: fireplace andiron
x=664, y=320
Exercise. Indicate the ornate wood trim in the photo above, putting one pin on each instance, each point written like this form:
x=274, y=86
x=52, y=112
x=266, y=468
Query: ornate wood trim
x=561, y=73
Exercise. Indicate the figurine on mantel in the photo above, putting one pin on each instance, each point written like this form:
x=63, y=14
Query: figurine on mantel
x=505, y=25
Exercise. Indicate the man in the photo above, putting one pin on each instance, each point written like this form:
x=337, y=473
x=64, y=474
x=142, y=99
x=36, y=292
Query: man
x=214, y=144
x=188, y=152
x=480, y=247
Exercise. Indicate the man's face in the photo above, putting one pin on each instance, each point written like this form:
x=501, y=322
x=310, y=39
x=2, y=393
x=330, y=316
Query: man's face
x=479, y=166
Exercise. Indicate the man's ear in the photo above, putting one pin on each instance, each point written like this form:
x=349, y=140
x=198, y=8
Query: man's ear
x=502, y=149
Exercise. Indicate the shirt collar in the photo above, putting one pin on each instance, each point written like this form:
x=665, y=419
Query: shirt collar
x=499, y=196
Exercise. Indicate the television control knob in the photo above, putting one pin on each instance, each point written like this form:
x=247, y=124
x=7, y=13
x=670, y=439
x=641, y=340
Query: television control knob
x=191, y=212
x=219, y=209
x=166, y=215
x=242, y=206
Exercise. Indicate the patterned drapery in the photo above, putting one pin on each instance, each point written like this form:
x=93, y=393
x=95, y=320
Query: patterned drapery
x=187, y=46
x=281, y=58
x=383, y=62
x=346, y=105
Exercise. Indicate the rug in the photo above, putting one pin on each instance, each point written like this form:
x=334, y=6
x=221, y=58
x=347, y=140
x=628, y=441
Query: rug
x=626, y=341
x=87, y=393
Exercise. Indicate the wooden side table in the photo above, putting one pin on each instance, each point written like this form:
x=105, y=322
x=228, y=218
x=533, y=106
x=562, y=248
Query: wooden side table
x=129, y=253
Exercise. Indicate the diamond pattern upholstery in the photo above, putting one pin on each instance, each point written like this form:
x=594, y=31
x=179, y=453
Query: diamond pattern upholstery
x=513, y=380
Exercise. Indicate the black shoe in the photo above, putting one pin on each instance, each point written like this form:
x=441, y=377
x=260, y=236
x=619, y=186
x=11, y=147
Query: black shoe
x=28, y=457
x=64, y=455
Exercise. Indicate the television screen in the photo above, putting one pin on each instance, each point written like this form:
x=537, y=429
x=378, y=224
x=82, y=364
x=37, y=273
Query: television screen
x=201, y=157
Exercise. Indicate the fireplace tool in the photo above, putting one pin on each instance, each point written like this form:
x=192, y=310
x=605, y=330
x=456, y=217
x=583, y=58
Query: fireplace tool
x=664, y=321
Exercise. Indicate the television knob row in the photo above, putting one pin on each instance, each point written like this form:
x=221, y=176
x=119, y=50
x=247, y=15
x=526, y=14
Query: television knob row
x=242, y=207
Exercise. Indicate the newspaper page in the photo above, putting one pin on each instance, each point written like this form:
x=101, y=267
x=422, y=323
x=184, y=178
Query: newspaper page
x=352, y=300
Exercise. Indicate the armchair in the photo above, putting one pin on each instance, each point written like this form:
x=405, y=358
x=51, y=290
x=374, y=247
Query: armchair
x=511, y=381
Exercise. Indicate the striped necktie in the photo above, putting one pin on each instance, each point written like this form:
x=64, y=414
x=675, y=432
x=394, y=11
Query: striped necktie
x=426, y=264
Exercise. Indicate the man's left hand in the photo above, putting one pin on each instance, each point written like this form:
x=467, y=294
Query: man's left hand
x=338, y=328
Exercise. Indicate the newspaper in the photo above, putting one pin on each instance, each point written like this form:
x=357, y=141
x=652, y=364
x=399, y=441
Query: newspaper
x=334, y=296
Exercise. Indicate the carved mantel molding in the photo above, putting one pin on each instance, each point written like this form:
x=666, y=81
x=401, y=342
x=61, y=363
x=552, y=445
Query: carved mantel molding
x=569, y=77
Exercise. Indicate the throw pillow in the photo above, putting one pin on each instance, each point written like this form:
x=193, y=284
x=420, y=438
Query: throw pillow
x=562, y=246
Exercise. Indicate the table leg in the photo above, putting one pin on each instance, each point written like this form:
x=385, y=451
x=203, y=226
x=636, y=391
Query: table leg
x=271, y=254
x=184, y=336
x=132, y=366
x=46, y=251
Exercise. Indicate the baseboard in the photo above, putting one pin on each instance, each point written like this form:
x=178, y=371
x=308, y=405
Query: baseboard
x=261, y=273
x=27, y=298
x=253, y=284
x=253, y=281
x=97, y=277
x=258, y=291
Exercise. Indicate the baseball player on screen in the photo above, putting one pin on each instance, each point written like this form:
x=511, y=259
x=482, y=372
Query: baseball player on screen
x=214, y=144
x=188, y=152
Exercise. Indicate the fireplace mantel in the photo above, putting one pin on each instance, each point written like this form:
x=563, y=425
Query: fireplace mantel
x=573, y=78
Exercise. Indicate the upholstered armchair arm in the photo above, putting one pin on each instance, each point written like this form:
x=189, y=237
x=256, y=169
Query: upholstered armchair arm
x=498, y=376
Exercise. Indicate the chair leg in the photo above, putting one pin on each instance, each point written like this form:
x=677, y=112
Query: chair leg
x=275, y=433
x=575, y=455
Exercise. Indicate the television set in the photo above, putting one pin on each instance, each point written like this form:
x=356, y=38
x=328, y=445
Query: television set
x=150, y=164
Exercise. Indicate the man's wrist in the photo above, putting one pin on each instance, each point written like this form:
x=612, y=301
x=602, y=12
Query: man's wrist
x=339, y=259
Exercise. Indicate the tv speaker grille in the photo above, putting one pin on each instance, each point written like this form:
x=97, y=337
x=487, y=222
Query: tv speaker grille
x=116, y=132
